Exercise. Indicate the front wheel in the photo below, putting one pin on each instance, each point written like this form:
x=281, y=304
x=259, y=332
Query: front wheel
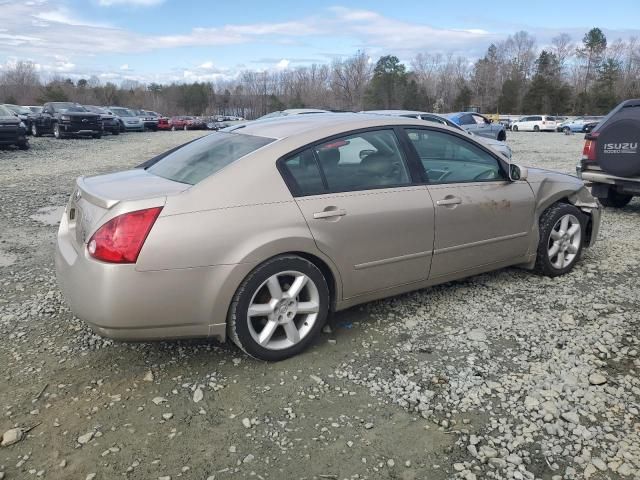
x=34, y=130
x=23, y=145
x=279, y=308
x=562, y=228
x=514, y=128
x=56, y=131
x=502, y=136
x=185, y=128
x=115, y=132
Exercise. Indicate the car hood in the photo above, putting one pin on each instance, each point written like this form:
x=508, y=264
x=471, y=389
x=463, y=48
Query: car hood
x=9, y=120
x=541, y=175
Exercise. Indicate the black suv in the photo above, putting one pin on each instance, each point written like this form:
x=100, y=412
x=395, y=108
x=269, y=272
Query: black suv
x=65, y=119
x=12, y=129
x=611, y=159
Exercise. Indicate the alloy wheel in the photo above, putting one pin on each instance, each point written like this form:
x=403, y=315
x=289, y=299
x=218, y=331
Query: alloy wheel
x=283, y=310
x=564, y=241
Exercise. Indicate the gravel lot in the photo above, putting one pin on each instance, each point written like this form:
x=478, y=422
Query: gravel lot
x=504, y=375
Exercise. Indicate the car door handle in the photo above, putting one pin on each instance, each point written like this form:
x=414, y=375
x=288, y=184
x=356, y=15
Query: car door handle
x=449, y=201
x=330, y=212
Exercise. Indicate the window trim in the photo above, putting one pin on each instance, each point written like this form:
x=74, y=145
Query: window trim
x=413, y=170
x=504, y=168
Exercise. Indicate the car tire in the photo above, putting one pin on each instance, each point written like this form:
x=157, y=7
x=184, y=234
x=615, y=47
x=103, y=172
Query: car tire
x=502, y=136
x=173, y=128
x=536, y=128
x=615, y=199
x=559, y=249
x=115, y=132
x=23, y=145
x=185, y=128
x=97, y=136
x=566, y=130
x=56, y=131
x=514, y=128
x=288, y=331
x=35, y=131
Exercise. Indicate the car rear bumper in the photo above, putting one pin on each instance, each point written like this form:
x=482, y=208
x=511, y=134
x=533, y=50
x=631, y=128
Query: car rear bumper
x=121, y=302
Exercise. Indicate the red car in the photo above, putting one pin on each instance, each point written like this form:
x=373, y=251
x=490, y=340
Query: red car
x=164, y=123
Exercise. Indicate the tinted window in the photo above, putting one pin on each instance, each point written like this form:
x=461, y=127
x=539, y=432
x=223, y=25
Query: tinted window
x=448, y=158
x=303, y=169
x=197, y=160
x=551, y=119
x=467, y=119
x=362, y=161
x=536, y=119
x=5, y=112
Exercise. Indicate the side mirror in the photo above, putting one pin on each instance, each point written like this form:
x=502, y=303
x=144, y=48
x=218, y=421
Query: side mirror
x=517, y=172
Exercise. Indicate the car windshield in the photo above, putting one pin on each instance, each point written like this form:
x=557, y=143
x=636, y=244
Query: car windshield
x=61, y=107
x=93, y=109
x=17, y=109
x=206, y=156
x=35, y=109
x=5, y=112
x=122, y=112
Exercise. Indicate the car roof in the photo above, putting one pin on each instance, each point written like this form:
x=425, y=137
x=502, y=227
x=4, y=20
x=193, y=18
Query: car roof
x=322, y=124
x=298, y=111
x=395, y=112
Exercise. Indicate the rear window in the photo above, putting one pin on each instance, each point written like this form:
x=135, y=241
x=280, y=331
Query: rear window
x=202, y=158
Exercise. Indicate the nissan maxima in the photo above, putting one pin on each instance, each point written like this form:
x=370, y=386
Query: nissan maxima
x=259, y=231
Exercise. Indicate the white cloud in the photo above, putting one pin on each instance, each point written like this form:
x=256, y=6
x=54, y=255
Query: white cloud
x=282, y=64
x=124, y=67
x=130, y=3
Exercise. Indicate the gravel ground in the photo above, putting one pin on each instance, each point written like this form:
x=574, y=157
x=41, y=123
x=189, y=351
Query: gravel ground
x=504, y=375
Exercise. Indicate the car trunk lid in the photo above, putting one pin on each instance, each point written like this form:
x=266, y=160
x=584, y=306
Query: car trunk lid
x=95, y=196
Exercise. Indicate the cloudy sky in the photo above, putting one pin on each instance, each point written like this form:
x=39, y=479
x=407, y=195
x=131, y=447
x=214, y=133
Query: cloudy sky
x=186, y=40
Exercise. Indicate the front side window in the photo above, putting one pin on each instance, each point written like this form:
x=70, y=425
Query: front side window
x=204, y=157
x=447, y=158
x=362, y=161
x=479, y=120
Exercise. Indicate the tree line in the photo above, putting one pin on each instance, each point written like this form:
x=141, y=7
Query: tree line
x=513, y=77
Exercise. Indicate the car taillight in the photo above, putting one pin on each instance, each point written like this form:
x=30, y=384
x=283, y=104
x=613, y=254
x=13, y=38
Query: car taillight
x=589, y=149
x=121, y=238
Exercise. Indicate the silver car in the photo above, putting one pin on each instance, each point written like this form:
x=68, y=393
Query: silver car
x=257, y=232
x=129, y=121
x=498, y=145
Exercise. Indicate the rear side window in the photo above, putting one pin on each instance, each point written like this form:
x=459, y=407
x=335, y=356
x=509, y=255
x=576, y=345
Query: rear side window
x=363, y=161
x=202, y=158
x=303, y=170
x=467, y=119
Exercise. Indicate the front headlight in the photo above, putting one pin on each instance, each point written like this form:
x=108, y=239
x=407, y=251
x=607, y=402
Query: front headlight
x=65, y=117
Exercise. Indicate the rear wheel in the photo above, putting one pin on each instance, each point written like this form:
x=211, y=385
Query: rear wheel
x=185, y=128
x=536, y=128
x=115, y=132
x=173, y=128
x=514, y=128
x=562, y=228
x=34, y=130
x=23, y=145
x=502, y=135
x=566, y=130
x=615, y=199
x=279, y=308
x=97, y=136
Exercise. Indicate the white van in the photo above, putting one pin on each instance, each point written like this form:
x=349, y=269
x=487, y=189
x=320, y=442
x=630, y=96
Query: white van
x=535, y=123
